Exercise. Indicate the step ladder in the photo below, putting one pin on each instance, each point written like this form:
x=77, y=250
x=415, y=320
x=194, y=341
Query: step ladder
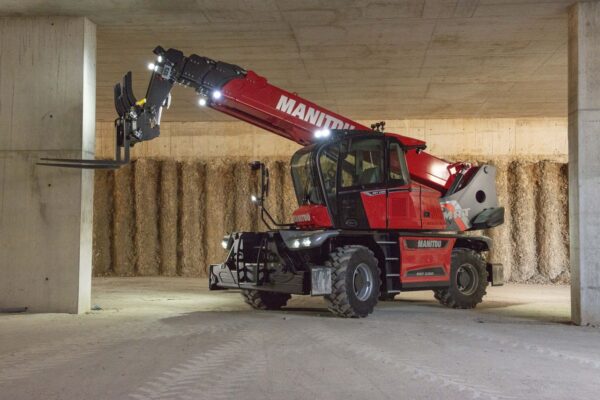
x=391, y=251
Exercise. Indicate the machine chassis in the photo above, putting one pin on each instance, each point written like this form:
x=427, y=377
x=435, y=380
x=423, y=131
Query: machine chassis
x=269, y=261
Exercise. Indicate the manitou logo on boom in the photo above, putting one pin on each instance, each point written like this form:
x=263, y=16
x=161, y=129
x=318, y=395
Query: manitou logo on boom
x=310, y=114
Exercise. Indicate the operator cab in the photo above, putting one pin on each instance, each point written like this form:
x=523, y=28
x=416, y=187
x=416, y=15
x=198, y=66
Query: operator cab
x=358, y=180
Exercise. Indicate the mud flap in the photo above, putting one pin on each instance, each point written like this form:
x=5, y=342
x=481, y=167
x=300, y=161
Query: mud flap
x=320, y=278
x=495, y=274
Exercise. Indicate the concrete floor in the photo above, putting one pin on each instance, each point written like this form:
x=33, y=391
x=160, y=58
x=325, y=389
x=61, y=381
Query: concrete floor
x=172, y=339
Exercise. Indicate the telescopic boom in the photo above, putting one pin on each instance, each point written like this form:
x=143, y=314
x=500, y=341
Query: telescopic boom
x=247, y=96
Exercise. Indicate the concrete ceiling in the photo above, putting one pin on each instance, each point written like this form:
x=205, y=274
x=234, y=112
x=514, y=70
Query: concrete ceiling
x=364, y=59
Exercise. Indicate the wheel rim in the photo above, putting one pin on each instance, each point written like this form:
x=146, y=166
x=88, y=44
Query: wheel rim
x=362, y=282
x=467, y=279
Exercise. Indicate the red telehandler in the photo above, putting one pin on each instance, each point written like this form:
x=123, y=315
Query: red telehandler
x=377, y=214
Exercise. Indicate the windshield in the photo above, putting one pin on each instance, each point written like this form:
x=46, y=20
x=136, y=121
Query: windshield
x=328, y=160
x=307, y=191
x=362, y=163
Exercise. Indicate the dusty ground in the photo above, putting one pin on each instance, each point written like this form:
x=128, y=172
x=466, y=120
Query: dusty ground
x=170, y=338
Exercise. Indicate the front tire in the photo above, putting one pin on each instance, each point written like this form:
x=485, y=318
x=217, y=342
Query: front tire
x=261, y=300
x=355, y=282
x=468, y=280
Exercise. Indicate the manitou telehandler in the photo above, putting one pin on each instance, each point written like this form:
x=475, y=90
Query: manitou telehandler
x=377, y=214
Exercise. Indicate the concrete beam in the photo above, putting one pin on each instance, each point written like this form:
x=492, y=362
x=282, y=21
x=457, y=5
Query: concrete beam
x=47, y=108
x=584, y=161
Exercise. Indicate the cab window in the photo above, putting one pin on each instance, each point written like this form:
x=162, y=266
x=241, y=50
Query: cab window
x=362, y=163
x=398, y=171
x=328, y=162
x=307, y=191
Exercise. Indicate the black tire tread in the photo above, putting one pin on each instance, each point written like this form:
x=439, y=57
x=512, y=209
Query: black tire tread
x=263, y=300
x=447, y=297
x=338, y=302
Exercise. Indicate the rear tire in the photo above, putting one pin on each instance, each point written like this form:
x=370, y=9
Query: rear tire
x=355, y=282
x=468, y=280
x=261, y=300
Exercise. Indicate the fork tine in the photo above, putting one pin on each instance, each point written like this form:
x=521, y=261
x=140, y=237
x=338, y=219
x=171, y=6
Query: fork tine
x=79, y=161
x=81, y=166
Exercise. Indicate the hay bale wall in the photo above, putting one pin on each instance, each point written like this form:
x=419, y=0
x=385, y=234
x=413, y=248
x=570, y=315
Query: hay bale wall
x=168, y=213
x=167, y=217
x=123, y=228
x=103, y=223
x=191, y=212
x=523, y=183
x=145, y=184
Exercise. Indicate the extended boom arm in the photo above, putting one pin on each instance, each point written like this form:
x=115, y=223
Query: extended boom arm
x=248, y=97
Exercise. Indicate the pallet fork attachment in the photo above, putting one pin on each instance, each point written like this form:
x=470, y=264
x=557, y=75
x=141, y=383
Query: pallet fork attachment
x=122, y=155
x=125, y=105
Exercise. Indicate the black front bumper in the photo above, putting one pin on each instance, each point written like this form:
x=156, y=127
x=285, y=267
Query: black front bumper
x=263, y=261
x=223, y=277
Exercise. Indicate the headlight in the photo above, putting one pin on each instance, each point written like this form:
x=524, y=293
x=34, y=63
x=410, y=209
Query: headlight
x=322, y=133
x=296, y=239
x=227, y=242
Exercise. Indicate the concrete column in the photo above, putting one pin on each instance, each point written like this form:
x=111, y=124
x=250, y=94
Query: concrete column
x=584, y=161
x=47, y=108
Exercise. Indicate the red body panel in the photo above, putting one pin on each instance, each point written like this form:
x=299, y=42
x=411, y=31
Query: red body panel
x=412, y=206
x=422, y=261
x=404, y=207
x=256, y=101
x=431, y=209
x=312, y=217
x=375, y=205
x=428, y=170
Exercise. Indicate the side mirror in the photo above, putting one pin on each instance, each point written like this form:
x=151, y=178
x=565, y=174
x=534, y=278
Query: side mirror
x=266, y=181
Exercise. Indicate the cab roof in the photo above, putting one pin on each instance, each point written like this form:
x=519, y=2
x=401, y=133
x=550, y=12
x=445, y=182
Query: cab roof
x=405, y=141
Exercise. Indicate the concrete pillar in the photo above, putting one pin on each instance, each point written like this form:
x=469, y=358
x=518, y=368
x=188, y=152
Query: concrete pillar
x=47, y=108
x=584, y=161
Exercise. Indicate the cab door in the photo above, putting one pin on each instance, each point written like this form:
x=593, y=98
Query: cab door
x=361, y=183
x=403, y=197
